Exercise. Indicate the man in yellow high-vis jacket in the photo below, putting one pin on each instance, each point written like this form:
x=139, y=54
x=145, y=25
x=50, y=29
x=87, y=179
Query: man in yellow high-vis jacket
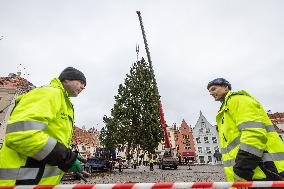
x=251, y=148
x=36, y=148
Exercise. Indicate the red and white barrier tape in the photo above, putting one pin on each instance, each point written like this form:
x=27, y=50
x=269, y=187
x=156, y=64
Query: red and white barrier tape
x=177, y=185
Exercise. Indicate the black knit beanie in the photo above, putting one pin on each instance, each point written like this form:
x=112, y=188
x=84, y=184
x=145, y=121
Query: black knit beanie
x=71, y=73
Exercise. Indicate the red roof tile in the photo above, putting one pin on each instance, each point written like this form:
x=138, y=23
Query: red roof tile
x=276, y=118
x=17, y=82
x=81, y=136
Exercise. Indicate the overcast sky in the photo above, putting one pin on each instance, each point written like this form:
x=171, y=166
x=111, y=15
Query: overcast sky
x=191, y=43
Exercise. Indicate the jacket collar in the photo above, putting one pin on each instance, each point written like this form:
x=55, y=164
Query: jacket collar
x=230, y=94
x=55, y=82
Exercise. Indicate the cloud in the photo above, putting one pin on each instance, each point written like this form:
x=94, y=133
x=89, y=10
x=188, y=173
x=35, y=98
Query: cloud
x=191, y=43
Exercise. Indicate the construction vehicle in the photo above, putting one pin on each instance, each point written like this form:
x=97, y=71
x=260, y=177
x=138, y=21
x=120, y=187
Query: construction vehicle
x=168, y=159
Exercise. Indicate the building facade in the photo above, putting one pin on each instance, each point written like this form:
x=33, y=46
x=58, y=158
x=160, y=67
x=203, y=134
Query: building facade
x=278, y=121
x=206, y=142
x=10, y=88
x=7, y=102
x=86, y=141
x=184, y=142
x=161, y=147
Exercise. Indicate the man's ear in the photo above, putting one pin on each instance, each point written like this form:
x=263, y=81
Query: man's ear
x=227, y=88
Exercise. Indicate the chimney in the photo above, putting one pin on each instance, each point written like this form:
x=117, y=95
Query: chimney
x=12, y=75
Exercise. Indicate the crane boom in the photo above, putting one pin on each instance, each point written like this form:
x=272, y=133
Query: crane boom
x=161, y=113
x=164, y=126
x=168, y=159
x=144, y=38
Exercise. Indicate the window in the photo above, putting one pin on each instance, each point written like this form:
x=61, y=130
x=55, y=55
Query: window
x=208, y=150
x=214, y=139
x=216, y=149
x=207, y=130
x=185, y=137
x=199, y=150
x=206, y=140
x=198, y=140
x=209, y=159
x=83, y=148
x=187, y=147
x=201, y=130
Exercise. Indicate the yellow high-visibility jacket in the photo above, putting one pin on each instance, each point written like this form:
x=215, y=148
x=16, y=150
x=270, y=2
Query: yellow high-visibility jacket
x=251, y=148
x=38, y=137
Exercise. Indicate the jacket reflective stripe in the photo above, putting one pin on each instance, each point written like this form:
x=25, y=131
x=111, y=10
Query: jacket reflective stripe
x=246, y=147
x=26, y=173
x=266, y=157
x=251, y=149
x=18, y=173
x=49, y=146
x=270, y=129
x=229, y=163
x=273, y=156
x=231, y=146
x=253, y=124
x=51, y=171
x=25, y=126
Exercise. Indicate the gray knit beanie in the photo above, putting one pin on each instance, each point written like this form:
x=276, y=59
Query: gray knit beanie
x=71, y=73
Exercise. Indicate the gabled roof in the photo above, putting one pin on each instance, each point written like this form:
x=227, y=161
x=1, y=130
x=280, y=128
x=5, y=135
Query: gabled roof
x=200, y=120
x=184, y=125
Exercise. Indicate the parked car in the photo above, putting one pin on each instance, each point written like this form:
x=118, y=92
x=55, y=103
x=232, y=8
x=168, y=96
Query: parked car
x=96, y=164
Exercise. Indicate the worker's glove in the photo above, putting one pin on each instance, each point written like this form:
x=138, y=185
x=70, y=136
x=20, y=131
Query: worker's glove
x=76, y=166
x=81, y=158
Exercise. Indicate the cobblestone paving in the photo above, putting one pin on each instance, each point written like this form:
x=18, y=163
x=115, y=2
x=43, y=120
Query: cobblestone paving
x=200, y=173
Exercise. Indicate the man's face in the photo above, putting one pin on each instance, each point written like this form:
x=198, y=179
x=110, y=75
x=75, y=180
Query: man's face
x=73, y=87
x=218, y=92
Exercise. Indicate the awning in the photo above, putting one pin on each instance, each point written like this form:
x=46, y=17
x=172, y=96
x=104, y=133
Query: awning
x=188, y=154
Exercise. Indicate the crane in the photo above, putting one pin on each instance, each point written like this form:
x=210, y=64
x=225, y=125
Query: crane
x=168, y=159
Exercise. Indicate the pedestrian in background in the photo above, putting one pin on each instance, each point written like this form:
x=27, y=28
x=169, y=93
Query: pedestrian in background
x=251, y=148
x=188, y=163
x=151, y=164
x=36, y=149
x=134, y=163
x=120, y=165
